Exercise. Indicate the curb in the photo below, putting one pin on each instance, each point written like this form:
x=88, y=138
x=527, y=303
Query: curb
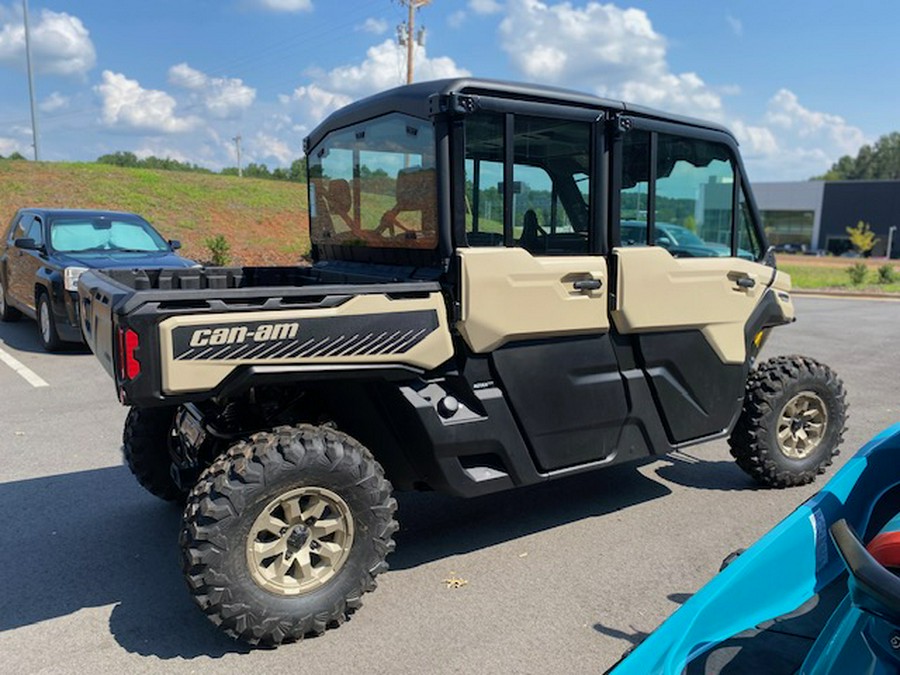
x=822, y=293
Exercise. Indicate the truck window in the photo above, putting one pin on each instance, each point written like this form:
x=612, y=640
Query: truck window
x=550, y=191
x=374, y=184
x=690, y=193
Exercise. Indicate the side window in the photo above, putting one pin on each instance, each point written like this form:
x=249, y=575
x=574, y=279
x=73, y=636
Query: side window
x=750, y=245
x=684, y=202
x=550, y=199
x=694, y=197
x=550, y=208
x=635, y=188
x=19, y=229
x=484, y=180
x=36, y=232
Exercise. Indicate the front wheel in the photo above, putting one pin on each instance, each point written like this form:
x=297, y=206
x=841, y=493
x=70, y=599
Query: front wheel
x=284, y=533
x=47, y=324
x=793, y=419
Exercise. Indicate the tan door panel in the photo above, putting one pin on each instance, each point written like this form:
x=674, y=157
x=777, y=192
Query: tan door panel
x=657, y=292
x=508, y=294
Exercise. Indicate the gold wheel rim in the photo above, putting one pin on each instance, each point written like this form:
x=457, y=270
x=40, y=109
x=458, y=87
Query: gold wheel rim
x=300, y=541
x=801, y=425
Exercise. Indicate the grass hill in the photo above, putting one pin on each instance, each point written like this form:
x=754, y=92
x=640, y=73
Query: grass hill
x=264, y=221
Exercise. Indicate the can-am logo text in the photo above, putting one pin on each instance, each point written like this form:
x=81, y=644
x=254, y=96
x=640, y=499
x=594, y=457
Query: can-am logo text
x=266, y=332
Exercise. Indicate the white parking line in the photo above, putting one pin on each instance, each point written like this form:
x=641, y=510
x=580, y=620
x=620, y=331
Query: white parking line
x=27, y=373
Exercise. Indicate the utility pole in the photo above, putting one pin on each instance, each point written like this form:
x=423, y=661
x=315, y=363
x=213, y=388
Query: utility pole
x=34, y=121
x=237, y=143
x=407, y=34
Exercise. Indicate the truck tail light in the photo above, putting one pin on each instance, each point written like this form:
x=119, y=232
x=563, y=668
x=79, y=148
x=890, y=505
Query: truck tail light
x=129, y=366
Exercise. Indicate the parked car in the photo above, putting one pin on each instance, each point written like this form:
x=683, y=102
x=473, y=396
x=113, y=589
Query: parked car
x=46, y=250
x=677, y=240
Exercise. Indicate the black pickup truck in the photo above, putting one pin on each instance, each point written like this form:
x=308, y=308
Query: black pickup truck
x=474, y=321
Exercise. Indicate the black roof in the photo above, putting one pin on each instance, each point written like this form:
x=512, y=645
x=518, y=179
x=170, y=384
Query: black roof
x=413, y=99
x=47, y=212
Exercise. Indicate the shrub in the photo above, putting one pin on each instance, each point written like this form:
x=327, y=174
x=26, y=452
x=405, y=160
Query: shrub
x=887, y=274
x=857, y=273
x=219, y=249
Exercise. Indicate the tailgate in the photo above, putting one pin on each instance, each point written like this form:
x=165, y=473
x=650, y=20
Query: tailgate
x=98, y=294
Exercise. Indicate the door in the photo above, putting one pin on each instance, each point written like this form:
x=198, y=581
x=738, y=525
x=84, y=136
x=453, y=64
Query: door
x=533, y=289
x=18, y=263
x=689, y=276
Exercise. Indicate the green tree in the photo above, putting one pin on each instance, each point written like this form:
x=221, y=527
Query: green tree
x=880, y=161
x=16, y=155
x=297, y=171
x=862, y=238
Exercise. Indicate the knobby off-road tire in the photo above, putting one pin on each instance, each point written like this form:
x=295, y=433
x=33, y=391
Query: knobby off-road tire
x=145, y=445
x=284, y=532
x=793, y=420
x=7, y=313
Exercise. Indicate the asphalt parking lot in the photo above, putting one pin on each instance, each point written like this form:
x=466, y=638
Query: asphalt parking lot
x=564, y=576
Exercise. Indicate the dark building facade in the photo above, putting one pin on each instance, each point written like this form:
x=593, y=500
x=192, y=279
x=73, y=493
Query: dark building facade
x=815, y=215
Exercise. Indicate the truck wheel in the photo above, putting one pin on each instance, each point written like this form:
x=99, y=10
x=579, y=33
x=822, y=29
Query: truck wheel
x=145, y=444
x=7, y=313
x=792, y=422
x=284, y=532
x=47, y=325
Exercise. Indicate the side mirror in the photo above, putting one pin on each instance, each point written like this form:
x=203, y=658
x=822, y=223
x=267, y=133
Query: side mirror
x=174, y=244
x=26, y=244
x=664, y=241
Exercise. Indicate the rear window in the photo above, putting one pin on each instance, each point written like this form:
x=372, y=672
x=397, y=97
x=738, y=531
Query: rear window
x=375, y=185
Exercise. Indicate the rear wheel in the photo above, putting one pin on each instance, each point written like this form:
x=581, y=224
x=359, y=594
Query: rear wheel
x=284, y=533
x=792, y=422
x=47, y=324
x=7, y=313
x=146, y=441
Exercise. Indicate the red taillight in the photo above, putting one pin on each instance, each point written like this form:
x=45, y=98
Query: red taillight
x=129, y=366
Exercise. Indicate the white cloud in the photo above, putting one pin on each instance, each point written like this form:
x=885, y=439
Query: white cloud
x=286, y=5
x=60, y=44
x=456, y=19
x=736, y=25
x=383, y=68
x=54, y=102
x=10, y=145
x=613, y=51
x=265, y=146
x=374, y=26
x=162, y=152
x=485, y=6
x=223, y=97
x=128, y=106
x=795, y=142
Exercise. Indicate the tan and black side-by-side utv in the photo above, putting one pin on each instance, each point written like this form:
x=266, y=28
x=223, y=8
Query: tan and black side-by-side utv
x=511, y=284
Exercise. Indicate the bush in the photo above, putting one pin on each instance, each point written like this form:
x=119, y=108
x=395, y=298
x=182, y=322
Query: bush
x=857, y=273
x=887, y=274
x=219, y=249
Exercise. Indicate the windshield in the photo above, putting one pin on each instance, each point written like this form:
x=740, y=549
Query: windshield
x=105, y=233
x=374, y=184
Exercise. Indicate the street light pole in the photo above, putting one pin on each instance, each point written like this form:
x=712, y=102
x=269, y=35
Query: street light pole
x=890, y=241
x=34, y=122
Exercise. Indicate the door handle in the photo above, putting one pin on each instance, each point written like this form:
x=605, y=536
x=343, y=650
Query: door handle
x=587, y=284
x=745, y=282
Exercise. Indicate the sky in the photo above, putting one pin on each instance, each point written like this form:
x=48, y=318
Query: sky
x=800, y=82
